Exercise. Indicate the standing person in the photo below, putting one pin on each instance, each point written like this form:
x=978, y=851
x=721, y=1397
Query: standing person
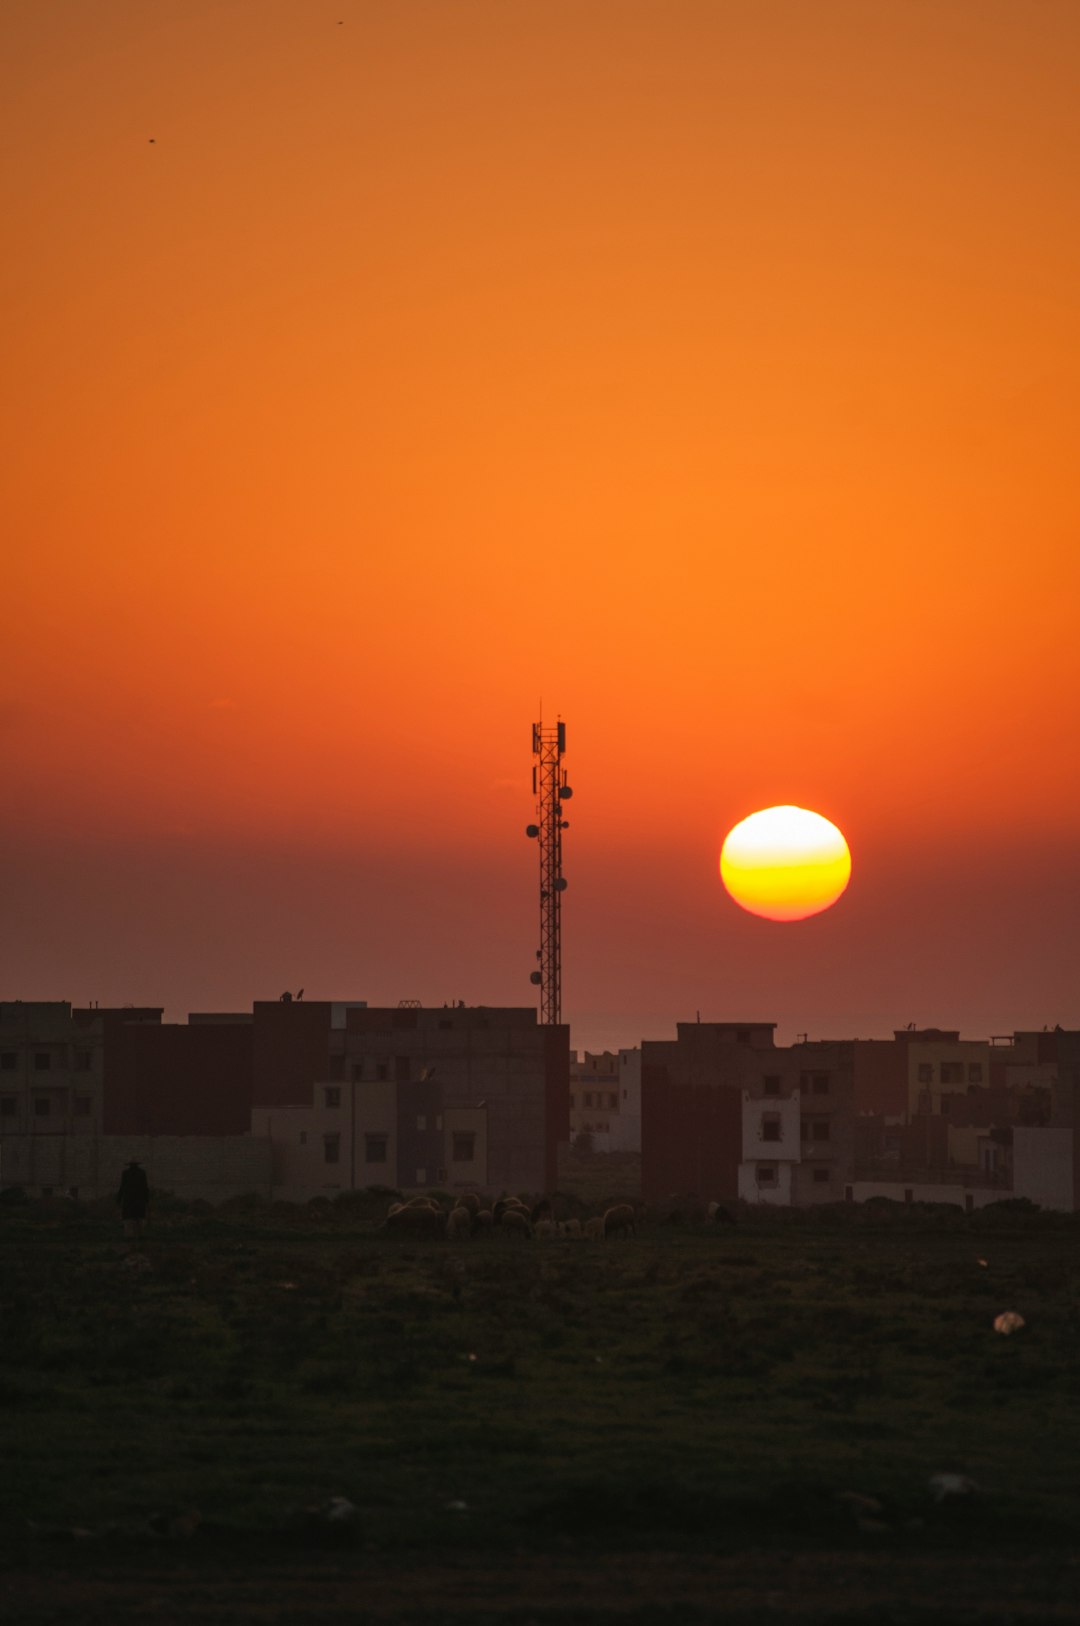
x=134, y=1199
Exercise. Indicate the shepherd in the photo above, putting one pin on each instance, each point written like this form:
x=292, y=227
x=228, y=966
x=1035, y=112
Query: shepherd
x=134, y=1199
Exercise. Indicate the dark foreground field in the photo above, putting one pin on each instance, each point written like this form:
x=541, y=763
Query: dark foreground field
x=689, y=1426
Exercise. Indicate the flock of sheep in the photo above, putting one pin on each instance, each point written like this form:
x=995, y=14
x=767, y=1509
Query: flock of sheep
x=509, y=1216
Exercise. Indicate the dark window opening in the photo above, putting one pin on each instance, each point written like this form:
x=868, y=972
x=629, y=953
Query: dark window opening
x=8, y=1061
x=464, y=1148
x=42, y=1106
x=926, y=1072
x=7, y=1106
x=82, y=1106
x=820, y=1177
x=357, y=1072
x=332, y=1148
x=974, y=1072
x=42, y=1062
x=381, y=1071
x=332, y=1096
x=375, y=1148
x=821, y=1083
x=772, y=1085
x=83, y=1061
x=820, y=1132
x=742, y=1035
x=770, y=1128
x=766, y=1174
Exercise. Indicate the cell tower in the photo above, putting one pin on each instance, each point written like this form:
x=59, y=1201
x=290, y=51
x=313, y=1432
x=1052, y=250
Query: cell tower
x=551, y=791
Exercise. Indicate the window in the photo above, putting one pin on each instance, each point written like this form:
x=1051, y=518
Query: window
x=357, y=1072
x=821, y=1083
x=42, y=1062
x=820, y=1130
x=742, y=1035
x=421, y=1120
x=952, y=1072
x=446, y=1021
x=974, y=1072
x=464, y=1148
x=83, y=1061
x=770, y=1126
x=772, y=1085
x=926, y=1072
x=381, y=1071
x=82, y=1106
x=331, y=1148
x=766, y=1174
x=42, y=1106
x=7, y=1106
x=820, y=1176
x=375, y=1148
x=332, y=1096
x=8, y=1061
x=612, y=1101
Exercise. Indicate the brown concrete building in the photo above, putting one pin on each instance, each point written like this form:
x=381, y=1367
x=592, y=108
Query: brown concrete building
x=411, y=1096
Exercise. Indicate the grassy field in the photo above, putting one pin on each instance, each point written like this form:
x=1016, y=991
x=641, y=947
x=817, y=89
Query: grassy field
x=640, y=1429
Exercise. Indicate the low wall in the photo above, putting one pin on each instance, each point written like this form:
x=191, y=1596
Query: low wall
x=212, y=1167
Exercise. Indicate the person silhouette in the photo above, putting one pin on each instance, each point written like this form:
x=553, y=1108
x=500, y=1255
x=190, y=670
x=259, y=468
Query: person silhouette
x=134, y=1199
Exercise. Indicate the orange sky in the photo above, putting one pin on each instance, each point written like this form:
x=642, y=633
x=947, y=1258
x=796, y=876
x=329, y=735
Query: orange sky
x=709, y=369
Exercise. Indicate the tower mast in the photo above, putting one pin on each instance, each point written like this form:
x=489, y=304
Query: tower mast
x=551, y=791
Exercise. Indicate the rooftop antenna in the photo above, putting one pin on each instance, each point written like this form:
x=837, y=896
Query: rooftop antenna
x=551, y=791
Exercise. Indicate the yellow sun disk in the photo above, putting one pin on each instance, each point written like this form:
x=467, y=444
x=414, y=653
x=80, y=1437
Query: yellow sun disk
x=785, y=863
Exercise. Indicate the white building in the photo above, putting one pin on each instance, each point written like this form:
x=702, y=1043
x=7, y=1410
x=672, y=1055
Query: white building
x=771, y=1147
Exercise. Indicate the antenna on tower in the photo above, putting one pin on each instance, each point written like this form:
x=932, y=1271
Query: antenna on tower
x=551, y=791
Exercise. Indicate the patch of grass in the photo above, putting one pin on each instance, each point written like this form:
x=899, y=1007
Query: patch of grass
x=689, y=1389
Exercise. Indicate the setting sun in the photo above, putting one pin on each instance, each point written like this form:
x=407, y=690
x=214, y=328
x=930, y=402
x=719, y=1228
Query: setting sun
x=785, y=863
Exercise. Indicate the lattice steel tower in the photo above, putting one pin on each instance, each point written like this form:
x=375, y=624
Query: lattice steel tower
x=551, y=791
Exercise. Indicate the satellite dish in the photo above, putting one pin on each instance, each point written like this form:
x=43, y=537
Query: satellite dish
x=561, y=884
x=535, y=977
x=532, y=831
x=565, y=792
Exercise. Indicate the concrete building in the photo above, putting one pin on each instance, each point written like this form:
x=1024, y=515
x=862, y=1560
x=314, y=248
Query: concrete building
x=52, y=1068
x=411, y=1096
x=605, y=1099
x=728, y=1113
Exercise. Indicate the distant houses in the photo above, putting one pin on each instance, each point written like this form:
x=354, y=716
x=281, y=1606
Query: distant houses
x=298, y=1099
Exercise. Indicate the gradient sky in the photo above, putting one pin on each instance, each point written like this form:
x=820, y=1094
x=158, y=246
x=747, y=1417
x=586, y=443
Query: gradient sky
x=708, y=369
